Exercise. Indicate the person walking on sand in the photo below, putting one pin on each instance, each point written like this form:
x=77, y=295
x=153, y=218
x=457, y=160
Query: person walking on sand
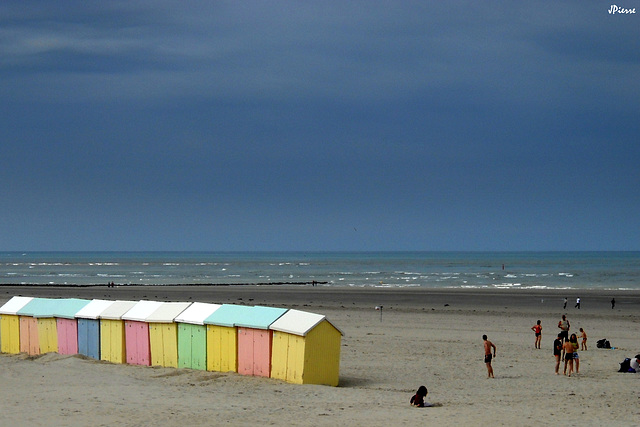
x=583, y=344
x=577, y=303
x=537, y=328
x=557, y=351
x=488, y=345
x=565, y=304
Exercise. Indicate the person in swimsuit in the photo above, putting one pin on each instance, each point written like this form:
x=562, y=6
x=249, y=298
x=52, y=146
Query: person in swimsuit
x=488, y=345
x=557, y=351
x=576, y=357
x=418, y=398
x=568, y=357
x=537, y=328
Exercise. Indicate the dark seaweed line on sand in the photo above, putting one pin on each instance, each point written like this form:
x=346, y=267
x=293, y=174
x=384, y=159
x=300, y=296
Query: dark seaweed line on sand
x=104, y=285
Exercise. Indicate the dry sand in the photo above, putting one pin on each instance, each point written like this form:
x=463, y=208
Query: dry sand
x=430, y=337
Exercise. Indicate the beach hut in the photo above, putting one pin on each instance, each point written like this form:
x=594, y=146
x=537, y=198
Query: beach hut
x=89, y=327
x=306, y=349
x=38, y=331
x=163, y=333
x=10, y=324
x=254, y=340
x=66, y=323
x=112, y=332
x=192, y=335
x=137, y=332
x=222, y=337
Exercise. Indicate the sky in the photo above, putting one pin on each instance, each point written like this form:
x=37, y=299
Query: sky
x=319, y=126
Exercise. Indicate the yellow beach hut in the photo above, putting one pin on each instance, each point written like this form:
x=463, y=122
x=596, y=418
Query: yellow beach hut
x=10, y=324
x=306, y=349
x=163, y=333
x=222, y=337
x=112, y=332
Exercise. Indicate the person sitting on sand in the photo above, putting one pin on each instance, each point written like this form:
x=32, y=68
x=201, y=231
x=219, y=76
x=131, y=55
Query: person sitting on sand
x=488, y=345
x=418, y=398
x=583, y=335
x=537, y=328
x=568, y=357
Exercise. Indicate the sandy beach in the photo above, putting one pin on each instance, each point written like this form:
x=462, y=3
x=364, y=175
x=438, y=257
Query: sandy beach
x=430, y=337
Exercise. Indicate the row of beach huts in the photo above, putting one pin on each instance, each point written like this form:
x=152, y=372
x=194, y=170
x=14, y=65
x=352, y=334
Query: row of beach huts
x=286, y=344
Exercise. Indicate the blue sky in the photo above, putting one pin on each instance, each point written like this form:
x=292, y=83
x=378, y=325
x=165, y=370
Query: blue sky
x=365, y=125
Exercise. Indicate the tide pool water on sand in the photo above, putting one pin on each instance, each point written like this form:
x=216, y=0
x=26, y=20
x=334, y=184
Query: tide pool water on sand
x=496, y=270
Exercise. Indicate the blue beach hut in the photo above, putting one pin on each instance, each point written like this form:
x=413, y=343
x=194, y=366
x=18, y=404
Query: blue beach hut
x=89, y=327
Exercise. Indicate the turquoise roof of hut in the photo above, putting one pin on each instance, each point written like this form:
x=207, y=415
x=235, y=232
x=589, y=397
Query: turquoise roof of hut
x=261, y=317
x=228, y=315
x=39, y=307
x=68, y=307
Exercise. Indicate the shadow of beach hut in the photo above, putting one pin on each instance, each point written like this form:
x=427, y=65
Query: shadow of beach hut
x=38, y=331
x=112, y=332
x=10, y=324
x=254, y=340
x=192, y=335
x=66, y=323
x=222, y=337
x=306, y=349
x=89, y=327
x=163, y=333
x=137, y=332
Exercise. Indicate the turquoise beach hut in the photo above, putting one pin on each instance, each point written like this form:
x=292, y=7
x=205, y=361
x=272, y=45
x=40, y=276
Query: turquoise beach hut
x=222, y=337
x=66, y=323
x=38, y=332
x=192, y=335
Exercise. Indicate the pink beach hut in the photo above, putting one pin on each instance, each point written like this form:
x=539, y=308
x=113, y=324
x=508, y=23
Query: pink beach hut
x=112, y=332
x=66, y=323
x=10, y=324
x=163, y=333
x=222, y=337
x=254, y=340
x=138, y=347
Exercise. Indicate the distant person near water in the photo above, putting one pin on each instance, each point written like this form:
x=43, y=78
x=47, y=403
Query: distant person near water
x=537, y=328
x=613, y=303
x=488, y=345
x=577, y=303
x=565, y=304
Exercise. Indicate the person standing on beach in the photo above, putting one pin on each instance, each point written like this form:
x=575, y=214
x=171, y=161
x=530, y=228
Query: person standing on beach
x=576, y=357
x=564, y=326
x=488, y=345
x=567, y=347
x=613, y=303
x=557, y=351
x=583, y=335
x=577, y=303
x=537, y=328
x=565, y=304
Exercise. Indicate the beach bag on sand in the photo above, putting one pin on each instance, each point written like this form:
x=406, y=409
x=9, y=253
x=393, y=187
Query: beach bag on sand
x=625, y=366
x=603, y=343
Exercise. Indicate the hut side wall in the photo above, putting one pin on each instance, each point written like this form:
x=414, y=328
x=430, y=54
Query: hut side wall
x=322, y=355
x=222, y=349
x=48, y=335
x=112, y=341
x=10, y=330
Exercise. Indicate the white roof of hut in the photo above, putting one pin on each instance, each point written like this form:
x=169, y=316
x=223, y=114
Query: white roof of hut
x=141, y=311
x=167, y=312
x=14, y=304
x=116, y=310
x=93, y=309
x=197, y=312
x=298, y=322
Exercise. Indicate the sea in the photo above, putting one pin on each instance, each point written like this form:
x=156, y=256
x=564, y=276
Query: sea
x=497, y=270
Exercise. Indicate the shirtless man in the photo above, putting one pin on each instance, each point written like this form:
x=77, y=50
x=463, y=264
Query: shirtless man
x=564, y=326
x=568, y=357
x=488, y=345
x=583, y=335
